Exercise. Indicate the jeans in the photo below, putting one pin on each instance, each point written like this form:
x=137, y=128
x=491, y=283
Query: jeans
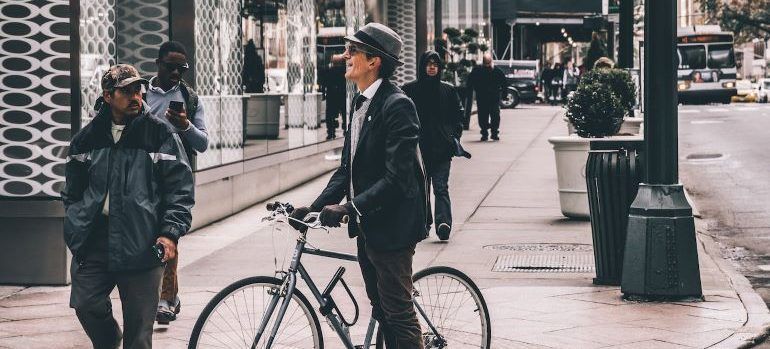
x=388, y=279
x=438, y=178
x=489, y=117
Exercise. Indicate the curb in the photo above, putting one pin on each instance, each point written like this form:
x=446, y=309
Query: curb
x=757, y=326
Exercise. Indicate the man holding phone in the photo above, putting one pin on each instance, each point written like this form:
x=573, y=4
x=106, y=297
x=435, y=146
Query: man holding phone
x=170, y=98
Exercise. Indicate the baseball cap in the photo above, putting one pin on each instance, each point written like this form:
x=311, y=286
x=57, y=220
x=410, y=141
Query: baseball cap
x=121, y=75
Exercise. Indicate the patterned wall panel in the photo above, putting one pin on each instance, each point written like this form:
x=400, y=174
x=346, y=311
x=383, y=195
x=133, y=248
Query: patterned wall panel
x=355, y=13
x=231, y=53
x=34, y=97
x=218, y=63
x=97, y=50
x=402, y=16
x=142, y=26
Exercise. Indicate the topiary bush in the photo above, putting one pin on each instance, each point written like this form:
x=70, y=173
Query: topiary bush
x=595, y=110
x=603, y=97
x=618, y=80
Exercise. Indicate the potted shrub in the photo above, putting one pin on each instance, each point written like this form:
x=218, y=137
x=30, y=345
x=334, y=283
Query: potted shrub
x=596, y=111
x=621, y=83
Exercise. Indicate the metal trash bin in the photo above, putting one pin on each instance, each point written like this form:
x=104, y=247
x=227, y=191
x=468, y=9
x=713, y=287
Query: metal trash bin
x=613, y=174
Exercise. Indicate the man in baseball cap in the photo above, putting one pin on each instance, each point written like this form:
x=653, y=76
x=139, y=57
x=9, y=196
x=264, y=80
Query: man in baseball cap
x=127, y=198
x=382, y=177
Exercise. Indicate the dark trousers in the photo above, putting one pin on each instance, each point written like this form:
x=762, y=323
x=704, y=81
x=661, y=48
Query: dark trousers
x=388, y=279
x=90, y=297
x=335, y=106
x=489, y=117
x=438, y=178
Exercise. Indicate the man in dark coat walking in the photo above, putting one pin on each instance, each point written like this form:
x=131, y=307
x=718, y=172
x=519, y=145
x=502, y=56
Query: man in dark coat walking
x=382, y=178
x=488, y=82
x=441, y=114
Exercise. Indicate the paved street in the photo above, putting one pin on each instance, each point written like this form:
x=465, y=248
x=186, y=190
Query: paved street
x=724, y=164
x=505, y=207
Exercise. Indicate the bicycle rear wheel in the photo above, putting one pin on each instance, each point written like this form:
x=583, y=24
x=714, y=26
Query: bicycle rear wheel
x=232, y=318
x=455, y=306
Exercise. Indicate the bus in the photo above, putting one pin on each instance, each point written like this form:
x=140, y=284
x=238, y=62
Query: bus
x=706, y=60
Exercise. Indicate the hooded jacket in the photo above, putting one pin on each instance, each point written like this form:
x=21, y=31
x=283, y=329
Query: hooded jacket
x=439, y=109
x=149, y=181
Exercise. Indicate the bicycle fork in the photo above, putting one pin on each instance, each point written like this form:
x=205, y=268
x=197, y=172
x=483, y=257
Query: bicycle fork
x=287, y=291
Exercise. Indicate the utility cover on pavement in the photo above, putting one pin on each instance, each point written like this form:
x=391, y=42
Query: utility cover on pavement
x=704, y=156
x=545, y=258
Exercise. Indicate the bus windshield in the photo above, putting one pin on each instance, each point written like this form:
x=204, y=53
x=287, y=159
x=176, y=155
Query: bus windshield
x=692, y=57
x=721, y=56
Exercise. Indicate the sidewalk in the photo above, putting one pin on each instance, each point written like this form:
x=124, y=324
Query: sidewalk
x=505, y=208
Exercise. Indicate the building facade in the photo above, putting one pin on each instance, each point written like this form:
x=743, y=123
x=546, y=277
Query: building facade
x=53, y=53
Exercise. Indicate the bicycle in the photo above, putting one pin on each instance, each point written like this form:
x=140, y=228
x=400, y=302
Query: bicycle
x=451, y=309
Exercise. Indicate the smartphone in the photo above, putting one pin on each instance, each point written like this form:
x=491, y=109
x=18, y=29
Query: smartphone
x=176, y=106
x=159, y=250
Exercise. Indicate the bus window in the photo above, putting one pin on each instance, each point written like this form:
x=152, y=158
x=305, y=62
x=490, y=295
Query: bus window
x=721, y=56
x=692, y=57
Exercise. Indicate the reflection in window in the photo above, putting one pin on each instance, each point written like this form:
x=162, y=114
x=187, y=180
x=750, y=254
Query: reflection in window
x=692, y=57
x=721, y=56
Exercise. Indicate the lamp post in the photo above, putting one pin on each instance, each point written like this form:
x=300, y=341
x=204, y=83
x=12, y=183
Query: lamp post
x=661, y=256
x=626, y=45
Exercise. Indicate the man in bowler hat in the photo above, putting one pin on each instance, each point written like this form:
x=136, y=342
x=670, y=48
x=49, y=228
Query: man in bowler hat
x=382, y=178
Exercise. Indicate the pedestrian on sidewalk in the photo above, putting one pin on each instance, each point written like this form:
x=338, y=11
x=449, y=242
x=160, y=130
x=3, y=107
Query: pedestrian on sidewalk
x=489, y=83
x=127, y=198
x=190, y=123
x=382, y=178
x=334, y=91
x=570, y=78
x=440, y=112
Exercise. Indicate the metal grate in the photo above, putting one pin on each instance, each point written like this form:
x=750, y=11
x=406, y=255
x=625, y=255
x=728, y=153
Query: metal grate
x=546, y=262
x=541, y=247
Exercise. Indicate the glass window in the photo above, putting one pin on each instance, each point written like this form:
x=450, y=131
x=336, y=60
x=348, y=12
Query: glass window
x=692, y=57
x=721, y=56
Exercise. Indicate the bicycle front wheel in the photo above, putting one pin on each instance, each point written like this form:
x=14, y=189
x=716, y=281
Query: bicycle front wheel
x=233, y=317
x=454, y=305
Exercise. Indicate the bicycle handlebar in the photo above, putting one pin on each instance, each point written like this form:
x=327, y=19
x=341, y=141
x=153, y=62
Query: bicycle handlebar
x=311, y=220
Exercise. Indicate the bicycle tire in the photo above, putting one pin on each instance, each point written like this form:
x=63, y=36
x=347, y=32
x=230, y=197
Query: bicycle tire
x=485, y=326
x=300, y=302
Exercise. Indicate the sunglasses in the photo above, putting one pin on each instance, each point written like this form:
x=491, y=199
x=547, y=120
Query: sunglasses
x=183, y=67
x=352, y=49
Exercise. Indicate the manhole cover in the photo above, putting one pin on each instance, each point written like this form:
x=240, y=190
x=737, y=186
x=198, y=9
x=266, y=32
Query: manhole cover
x=541, y=247
x=546, y=262
x=704, y=156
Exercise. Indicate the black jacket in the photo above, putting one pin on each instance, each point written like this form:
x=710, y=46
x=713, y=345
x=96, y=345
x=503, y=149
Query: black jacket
x=488, y=84
x=150, y=186
x=439, y=110
x=387, y=175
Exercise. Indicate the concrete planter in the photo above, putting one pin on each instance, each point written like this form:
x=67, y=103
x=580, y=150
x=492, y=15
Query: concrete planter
x=571, y=153
x=263, y=113
x=632, y=126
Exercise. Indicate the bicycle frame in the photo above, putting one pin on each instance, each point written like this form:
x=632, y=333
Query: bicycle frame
x=289, y=285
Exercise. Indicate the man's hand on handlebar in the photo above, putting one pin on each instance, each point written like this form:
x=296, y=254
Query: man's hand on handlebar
x=299, y=214
x=333, y=215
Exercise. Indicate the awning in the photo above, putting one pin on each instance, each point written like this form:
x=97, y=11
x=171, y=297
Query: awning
x=510, y=9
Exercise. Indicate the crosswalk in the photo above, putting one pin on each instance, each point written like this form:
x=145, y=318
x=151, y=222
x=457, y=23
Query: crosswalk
x=724, y=109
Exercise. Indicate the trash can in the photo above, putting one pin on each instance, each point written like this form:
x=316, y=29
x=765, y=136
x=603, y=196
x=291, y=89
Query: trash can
x=613, y=174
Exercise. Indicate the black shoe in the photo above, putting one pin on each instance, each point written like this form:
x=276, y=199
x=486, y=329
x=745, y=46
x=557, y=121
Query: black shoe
x=167, y=312
x=443, y=231
x=484, y=138
x=495, y=137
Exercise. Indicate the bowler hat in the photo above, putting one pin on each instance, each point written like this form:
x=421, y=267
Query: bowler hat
x=379, y=40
